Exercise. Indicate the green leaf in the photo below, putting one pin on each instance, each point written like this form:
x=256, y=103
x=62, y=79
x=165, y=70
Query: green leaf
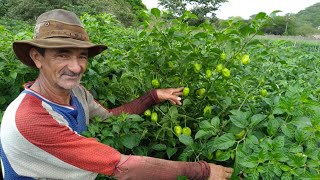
x=111, y=98
x=286, y=176
x=107, y=133
x=227, y=101
x=288, y=130
x=253, y=175
x=202, y=133
x=205, y=125
x=171, y=152
x=252, y=139
x=134, y=118
x=285, y=167
x=186, y=140
x=276, y=169
x=302, y=122
x=188, y=15
x=156, y=12
x=116, y=128
x=187, y=152
x=215, y=122
x=313, y=163
x=260, y=15
x=94, y=129
x=239, y=118
x=130, y=140
x=159, y=147
x=256, y=119
x=225, y=155
x=263, y=156
x=249, y=162
x=173, y=112
x=273, y=126
x=224, y=142
x=297, y=160
x=13, y=74
x=278, y=143
x=186, y=102
x=199, y=35
x=85, y=133
x=141, y=150
x=301, y=135
x=310, y=177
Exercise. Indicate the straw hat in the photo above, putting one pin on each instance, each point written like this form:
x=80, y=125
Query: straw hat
x=56, y=29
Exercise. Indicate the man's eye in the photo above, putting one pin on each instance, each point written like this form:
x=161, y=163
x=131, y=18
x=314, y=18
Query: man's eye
x=84, y=57
x=62, y=55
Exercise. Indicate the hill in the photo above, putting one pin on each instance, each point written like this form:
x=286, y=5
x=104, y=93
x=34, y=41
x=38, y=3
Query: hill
x=310, y=15
x=125, y=11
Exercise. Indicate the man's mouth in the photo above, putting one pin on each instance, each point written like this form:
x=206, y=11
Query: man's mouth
x=70, y=74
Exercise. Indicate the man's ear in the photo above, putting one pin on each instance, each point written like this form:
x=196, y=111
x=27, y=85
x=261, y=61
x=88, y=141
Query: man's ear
x=36, y=57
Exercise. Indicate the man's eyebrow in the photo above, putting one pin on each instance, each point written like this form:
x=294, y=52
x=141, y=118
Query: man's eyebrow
x=66, y=50
x=84, y=52
x=63, y=50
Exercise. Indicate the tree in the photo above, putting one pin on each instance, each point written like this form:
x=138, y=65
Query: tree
x=124, y=10
x=202, y=8
x=30, y=9
x=281, y=25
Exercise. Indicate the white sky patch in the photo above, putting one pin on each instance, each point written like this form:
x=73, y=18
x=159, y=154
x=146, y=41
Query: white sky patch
x=247, y=8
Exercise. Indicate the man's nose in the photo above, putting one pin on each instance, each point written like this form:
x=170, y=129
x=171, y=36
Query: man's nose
x=75, y=65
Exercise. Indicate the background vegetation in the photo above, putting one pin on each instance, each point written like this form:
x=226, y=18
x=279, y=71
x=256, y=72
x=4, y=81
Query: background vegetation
x=253, y=103
x=125, y=11
x=304, y=23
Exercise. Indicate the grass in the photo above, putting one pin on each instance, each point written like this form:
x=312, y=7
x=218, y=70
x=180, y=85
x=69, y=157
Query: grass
x=294, y=39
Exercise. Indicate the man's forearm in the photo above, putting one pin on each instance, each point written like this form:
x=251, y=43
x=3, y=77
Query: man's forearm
x=148, y=168
x=139, y=105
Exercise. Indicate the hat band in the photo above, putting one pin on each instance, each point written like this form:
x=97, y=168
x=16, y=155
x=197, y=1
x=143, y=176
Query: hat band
x=52, y=29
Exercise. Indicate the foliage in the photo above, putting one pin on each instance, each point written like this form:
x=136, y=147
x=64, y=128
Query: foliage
x=281, y=25
x=259, y=113
x=201, y=8
x=270, y=135
x=28, y=10
x=12, y=73
x=306, y=30
x=310, y=15
x=304, y=23
x=126, y=11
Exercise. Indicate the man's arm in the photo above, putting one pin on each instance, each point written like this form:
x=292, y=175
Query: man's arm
x=149, y=168
x=139, y=105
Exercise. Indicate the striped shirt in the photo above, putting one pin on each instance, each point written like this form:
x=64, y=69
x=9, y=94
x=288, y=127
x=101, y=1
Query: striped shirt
x=41, y=139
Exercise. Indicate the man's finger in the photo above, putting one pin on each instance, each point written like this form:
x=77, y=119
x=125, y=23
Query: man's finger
x=176, y=90
x=229, y=170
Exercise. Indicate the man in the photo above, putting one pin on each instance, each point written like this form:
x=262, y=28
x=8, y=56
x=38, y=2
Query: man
x=40, y=130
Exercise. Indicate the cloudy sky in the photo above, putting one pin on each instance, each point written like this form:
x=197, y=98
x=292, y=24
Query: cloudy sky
x=246, y=8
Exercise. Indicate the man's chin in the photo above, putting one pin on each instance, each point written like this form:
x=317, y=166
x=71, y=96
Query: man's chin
x=69, y=86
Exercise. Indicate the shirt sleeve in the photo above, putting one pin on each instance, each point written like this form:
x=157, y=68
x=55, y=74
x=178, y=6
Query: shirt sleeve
x=137, y=106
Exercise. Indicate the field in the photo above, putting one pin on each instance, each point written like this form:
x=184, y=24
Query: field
x=299, y=40
x=252, y=104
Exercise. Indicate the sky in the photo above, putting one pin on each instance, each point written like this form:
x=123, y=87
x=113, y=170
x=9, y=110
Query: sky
x=246, y=8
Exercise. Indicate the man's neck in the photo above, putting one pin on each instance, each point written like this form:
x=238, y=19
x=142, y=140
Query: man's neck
x=60, y=96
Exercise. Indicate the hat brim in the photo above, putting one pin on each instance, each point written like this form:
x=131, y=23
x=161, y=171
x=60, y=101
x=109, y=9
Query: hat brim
x=22, y=48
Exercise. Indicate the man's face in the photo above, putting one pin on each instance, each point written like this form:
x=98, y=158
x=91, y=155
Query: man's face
x=63, y=68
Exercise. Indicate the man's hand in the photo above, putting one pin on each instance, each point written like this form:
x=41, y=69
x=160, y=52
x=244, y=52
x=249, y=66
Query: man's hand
x=170, y=94
x=218, y=172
